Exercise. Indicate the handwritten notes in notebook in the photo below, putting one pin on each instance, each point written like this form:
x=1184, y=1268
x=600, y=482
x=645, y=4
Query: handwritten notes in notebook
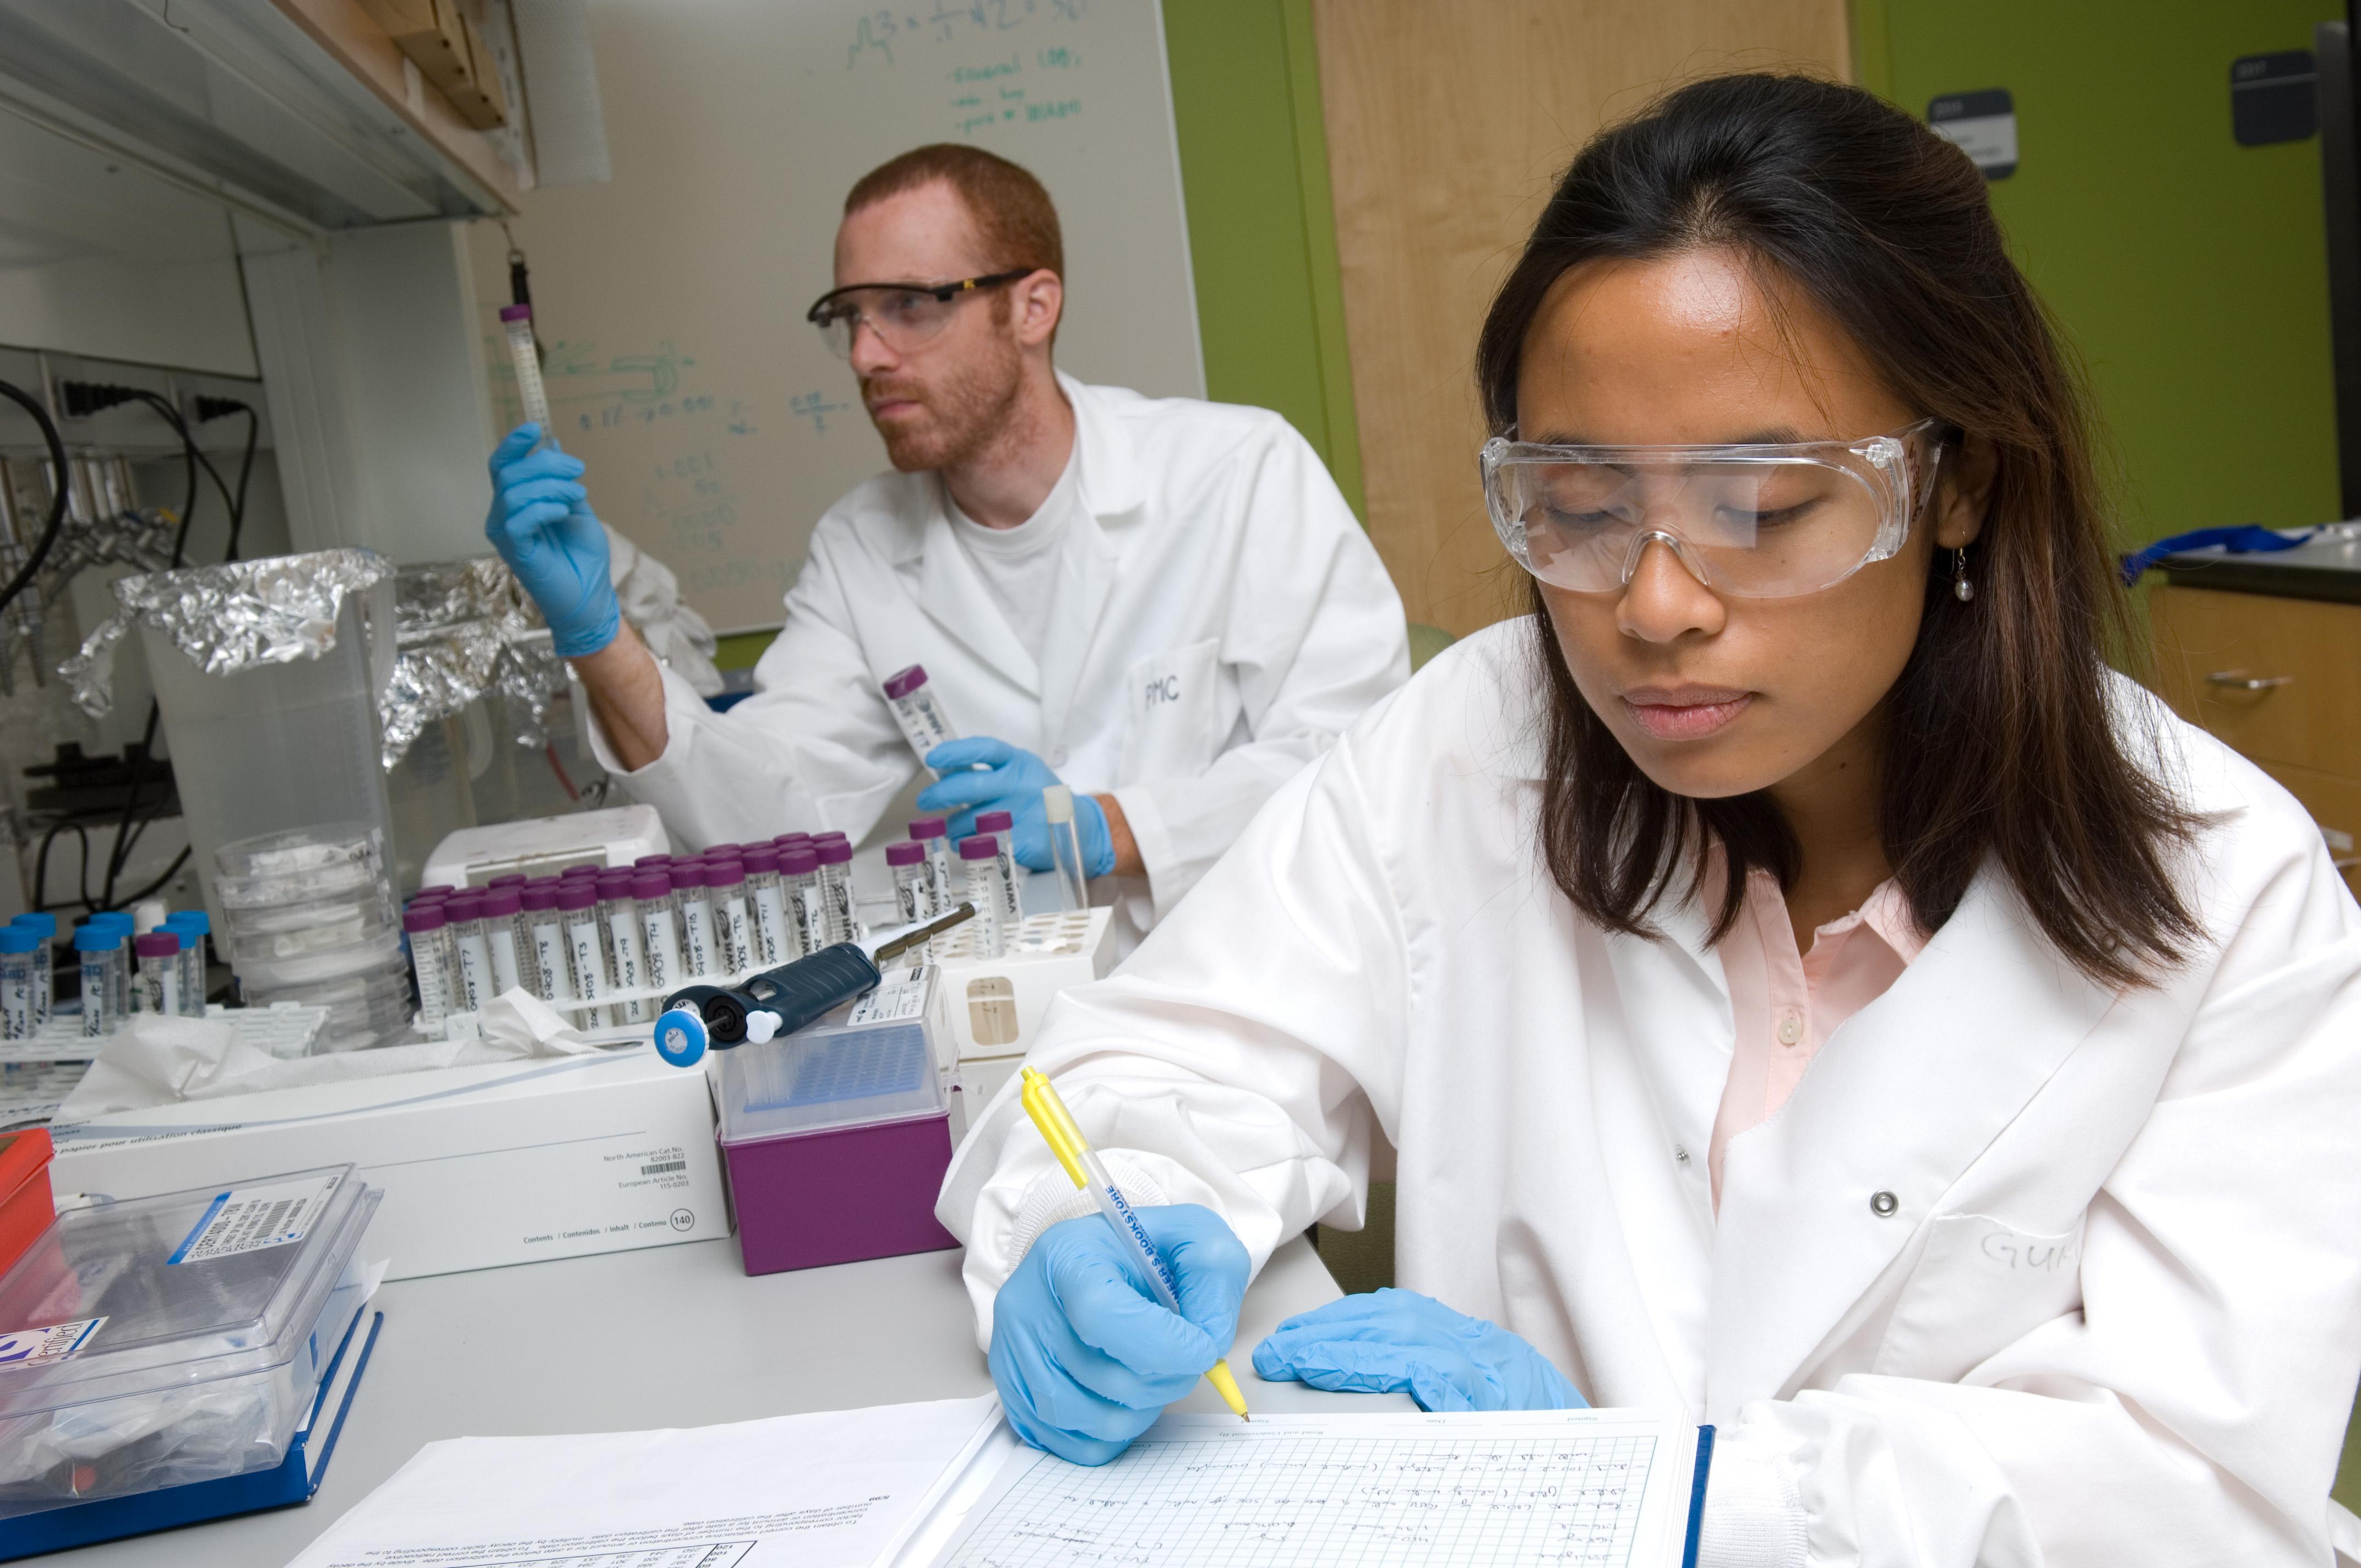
x=1598, y=1488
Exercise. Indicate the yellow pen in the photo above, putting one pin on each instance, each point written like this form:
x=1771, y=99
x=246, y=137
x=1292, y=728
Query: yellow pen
x=1066, y=1141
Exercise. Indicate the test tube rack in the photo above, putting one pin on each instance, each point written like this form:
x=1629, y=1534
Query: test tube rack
x=998, y=1004
x=461, y=1025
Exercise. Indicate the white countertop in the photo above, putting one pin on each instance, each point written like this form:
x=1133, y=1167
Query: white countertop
x=665, y=1337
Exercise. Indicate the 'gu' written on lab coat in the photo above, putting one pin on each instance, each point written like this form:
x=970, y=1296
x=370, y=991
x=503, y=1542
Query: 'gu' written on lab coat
x=2024, y=1271
x=1219, y=618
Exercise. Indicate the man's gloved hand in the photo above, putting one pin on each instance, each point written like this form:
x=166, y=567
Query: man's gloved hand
x=541, y=524
x=1084, y=1355
x=1392, y=1340
x=979, y=773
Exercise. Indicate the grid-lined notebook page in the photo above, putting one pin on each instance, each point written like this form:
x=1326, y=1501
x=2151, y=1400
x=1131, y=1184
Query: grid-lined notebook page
x=1570, y=1489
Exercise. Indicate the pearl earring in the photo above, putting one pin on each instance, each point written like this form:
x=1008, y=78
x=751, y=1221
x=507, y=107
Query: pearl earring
x=1962, y=589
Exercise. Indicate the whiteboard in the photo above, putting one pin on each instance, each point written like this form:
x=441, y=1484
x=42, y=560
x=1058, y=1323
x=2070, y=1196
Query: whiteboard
x=716, y=424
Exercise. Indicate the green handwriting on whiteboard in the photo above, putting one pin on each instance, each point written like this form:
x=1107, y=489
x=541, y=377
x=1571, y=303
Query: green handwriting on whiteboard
x=815, y=407
x=577, y=374
x=880, y=37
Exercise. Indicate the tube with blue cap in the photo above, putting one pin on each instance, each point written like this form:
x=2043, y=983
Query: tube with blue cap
x=782, y=1000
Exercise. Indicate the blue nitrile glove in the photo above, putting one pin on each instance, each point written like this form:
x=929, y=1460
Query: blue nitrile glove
x=541, y=524
x=1084, y=1355
x=1390, y=1341
x=979, y=773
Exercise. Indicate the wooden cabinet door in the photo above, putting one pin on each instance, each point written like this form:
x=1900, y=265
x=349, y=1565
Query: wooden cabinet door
x=2277, y=678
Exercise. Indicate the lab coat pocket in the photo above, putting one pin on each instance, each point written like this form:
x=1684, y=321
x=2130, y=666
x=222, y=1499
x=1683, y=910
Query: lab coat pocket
x=1981, y=1284
x=1170, y=706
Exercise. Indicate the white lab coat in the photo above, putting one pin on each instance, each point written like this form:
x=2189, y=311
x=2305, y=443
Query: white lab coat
x=2114, y=1318
x=1220, y=617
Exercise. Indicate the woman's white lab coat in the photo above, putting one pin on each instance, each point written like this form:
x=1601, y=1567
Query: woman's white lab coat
x=2110, y=1313
x=1219, y=619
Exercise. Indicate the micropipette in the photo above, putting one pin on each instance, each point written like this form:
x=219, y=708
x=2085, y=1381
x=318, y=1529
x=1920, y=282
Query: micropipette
x=781, y=1001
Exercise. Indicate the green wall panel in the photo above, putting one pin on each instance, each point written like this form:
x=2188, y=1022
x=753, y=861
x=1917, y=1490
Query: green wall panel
x=1262, y=237
x=2190, y=272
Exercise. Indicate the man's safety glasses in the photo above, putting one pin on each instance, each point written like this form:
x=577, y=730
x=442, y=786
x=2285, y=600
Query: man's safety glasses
x=1764, y=522
x=904, y=314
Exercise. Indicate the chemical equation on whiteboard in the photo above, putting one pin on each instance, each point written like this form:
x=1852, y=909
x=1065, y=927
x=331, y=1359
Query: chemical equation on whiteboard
x=888, y=35
x=816, y=407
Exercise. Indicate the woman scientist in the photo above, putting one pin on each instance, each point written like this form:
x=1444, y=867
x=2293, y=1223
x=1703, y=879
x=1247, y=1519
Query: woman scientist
x=1802, y=983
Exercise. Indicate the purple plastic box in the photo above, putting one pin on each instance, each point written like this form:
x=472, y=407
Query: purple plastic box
x=809, y=1200
x=836, y=1138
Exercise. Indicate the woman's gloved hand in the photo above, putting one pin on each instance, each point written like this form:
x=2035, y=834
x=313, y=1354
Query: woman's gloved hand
x=1084, y=1355
x=1391, y=1342
x=979, y=773
x=541, y=524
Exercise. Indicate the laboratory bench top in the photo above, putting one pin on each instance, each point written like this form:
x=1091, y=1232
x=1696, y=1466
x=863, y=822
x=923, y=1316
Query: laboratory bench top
x=2327, y=566
x=670, y=1336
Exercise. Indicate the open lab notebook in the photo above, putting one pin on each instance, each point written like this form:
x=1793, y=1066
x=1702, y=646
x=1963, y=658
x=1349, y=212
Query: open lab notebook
x=947, y=1486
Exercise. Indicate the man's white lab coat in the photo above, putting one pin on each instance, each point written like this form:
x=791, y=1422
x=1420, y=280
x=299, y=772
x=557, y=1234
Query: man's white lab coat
x=2110, y=1313
x=1220, y=617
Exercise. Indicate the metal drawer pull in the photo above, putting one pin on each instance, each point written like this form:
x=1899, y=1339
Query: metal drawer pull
x=2245, y=682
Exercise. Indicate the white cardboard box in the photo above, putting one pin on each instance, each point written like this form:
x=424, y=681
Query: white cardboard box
x=510, y=1162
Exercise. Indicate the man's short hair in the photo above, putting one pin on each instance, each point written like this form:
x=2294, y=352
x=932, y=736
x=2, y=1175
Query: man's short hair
x=1012, y=212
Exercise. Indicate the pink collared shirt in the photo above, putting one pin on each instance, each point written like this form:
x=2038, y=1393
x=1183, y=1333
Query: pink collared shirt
x=1787, y=1004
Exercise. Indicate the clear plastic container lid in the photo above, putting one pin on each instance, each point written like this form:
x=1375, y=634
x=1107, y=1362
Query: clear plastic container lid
x=268, y=975
x=303, y=850
x=270, y=890
x=371, y=985
x=316, y=926
x=871, y=1061
x=175, y=1291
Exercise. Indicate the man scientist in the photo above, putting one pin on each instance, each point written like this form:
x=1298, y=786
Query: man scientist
x=1165, y=603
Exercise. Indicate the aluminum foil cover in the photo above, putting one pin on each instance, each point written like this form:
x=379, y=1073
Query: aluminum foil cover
x=465, y=631
x=229, y=618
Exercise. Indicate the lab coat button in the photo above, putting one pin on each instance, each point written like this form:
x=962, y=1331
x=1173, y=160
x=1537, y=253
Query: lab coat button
x=1057, y=758
x=1791, y=1028
x=1884, y=1204
x=1680, y=1154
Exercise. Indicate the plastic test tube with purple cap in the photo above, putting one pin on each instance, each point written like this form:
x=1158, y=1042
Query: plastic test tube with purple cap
x=622, y=918
x=836, y=890
x=659, y=938
x=733, y=920
x=698, y=953
x=506, y=940
x=774, y=941
x=159, y=986
x=1002, y=826
x=917, y=712
x=806, y=914
x=431, y=961
x=585, y=944
x=981, y=855
x=526, y=360
x=465, y=912
x=933, y=835
x=914, y=884
x=547, y=933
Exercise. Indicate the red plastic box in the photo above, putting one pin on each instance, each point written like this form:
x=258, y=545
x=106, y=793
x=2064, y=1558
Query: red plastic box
x=26, y=1207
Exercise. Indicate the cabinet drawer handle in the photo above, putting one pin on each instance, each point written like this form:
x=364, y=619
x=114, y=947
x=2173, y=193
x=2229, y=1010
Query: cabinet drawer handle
x=2240, y=680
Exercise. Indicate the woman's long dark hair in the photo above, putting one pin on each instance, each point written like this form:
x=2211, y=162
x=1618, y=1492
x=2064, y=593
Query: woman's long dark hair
x=2002, y=737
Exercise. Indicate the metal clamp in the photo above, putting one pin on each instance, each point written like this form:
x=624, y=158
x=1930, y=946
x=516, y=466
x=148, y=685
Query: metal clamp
x=2241, y=680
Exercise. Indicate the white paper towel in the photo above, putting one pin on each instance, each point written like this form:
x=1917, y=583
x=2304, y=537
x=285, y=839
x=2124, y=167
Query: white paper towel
x=161, y=1059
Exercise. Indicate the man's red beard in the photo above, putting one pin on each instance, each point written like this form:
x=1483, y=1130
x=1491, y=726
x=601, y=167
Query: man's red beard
x=967, y=411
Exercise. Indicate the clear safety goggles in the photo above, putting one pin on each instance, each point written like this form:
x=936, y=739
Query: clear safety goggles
x=904, y=314
x=1765, y=522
